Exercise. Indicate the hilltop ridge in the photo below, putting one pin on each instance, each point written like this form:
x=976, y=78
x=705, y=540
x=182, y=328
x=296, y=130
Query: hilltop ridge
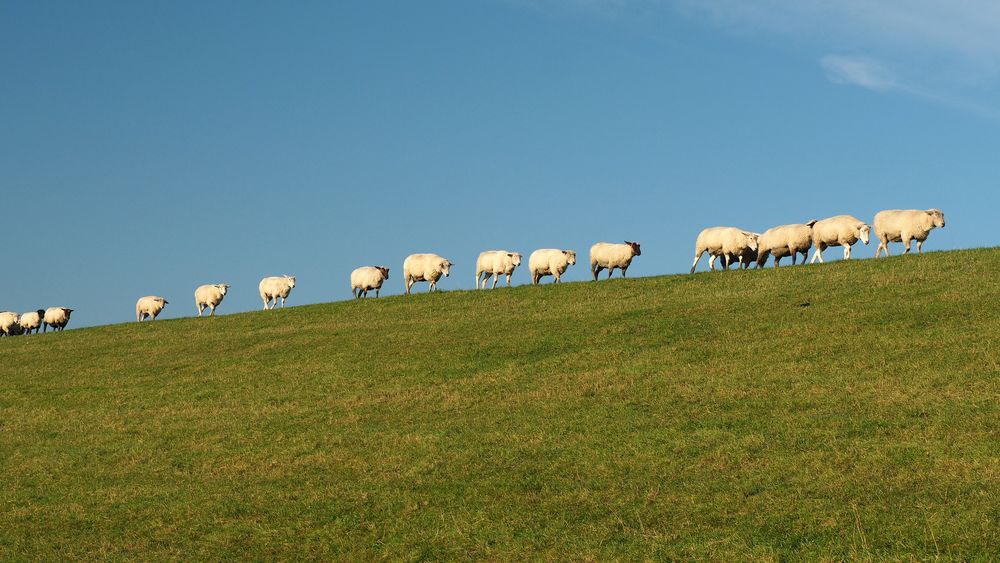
x=838, y=410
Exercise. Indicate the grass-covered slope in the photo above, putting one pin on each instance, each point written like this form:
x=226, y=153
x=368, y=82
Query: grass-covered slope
x=844, y=410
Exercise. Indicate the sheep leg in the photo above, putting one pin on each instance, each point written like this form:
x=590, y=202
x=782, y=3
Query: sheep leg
x=792, y=250
x=906, y=243
x=919, y=244
x=847, y=252
x=711, y=262
x=818, y=255
x=883, y=245
x=212, y=314
x=496, y=278
x=623, y=271
x=594, y=270
x=508, y=280
x=610, y=272
x=697, y=256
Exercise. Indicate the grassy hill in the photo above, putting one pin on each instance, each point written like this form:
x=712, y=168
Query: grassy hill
x=849, y=410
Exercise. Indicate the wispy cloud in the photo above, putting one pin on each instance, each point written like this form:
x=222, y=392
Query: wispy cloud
x=946, y=51
x=861, y=71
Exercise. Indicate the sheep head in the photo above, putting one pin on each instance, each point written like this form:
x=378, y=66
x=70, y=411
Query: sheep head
x=937, y=216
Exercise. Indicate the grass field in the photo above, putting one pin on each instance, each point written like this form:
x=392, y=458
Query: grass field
x=849, y=410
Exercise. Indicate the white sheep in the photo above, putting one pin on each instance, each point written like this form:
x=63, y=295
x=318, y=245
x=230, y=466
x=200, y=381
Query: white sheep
x=550, y=262
x=31, y=321
x=8, y=324
x=149, y=307
x=786, y=240
x=605, y=255
x=842, y=230
x=904, y=225
x=209, y=296
x=56, y=317
x=425, y=267
x=275, y=287
x=729, y=243
x=496, y=263
x=367, y=278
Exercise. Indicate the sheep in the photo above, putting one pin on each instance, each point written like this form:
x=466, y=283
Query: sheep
x=56, y=317
x=31, y=321
x=605, y=255
x=149, y=307
x=784, y=241
x=425, y=267
x=904, y=225
x=367, y=278
x=729, y=243
x=743, y=259
x=495, y=263
x=209, y=296
x=275, y=287
x=8, y=324
x=842, y=230
x=550, y=262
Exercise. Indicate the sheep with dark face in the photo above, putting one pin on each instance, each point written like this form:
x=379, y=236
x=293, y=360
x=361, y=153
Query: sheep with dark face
x=31, y=321
x=149, y=307
x=367, y=278
x=605, y=255
x=57, y=318
x=904, y=225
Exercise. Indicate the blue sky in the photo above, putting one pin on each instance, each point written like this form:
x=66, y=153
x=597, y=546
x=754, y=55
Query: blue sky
x=150, y=147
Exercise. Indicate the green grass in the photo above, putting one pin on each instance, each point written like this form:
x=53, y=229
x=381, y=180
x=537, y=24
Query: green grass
x=849, y=410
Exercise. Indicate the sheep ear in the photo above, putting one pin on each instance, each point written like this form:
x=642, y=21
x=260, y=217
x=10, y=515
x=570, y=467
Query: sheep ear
x=510, y=255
